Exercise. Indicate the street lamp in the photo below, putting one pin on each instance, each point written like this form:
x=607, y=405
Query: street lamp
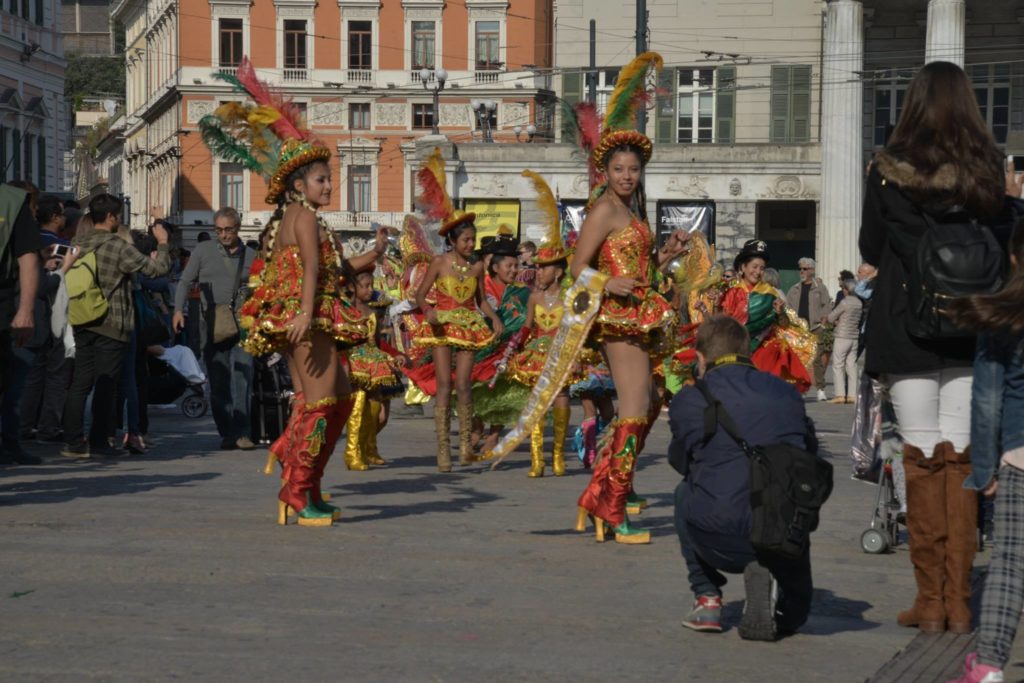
x=440, y=76
x=531, y=131
x=484, y=109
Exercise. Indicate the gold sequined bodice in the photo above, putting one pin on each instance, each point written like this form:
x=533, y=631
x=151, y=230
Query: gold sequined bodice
x=454, y=292
x=547, y=319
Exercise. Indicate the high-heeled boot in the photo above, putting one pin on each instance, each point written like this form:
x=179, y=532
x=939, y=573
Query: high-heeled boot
x=335, y=425
x=465, y=433
x=372, y=426
x=443, y=427
x=302, y=483
x=605, y=495
x=354, y=456
x=961, y=545
x=537, y=451
x=926, y=525
x=561, y=427
x=282, y=444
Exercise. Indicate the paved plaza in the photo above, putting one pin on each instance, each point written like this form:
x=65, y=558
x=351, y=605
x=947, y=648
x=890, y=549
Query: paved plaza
x=170, y=566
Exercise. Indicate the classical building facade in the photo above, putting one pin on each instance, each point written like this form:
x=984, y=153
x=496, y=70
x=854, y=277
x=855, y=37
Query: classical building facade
x=33, y=116
x=354, y=66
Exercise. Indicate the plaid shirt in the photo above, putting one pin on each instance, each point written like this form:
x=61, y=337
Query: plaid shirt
x=116, y=260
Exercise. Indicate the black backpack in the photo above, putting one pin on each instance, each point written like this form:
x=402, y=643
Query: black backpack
x=788, y=486
x=956, y=257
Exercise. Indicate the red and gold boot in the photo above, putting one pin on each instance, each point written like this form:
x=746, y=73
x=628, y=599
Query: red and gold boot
x=302, y=485
x=335, y=425
x=610, y=484
x=282, y=444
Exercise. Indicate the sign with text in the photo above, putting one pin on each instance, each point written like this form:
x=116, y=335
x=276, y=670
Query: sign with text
x=492, y=214
x=686, y=215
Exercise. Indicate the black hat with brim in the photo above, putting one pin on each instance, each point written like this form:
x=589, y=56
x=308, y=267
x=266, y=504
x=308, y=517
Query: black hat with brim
x=751, y=249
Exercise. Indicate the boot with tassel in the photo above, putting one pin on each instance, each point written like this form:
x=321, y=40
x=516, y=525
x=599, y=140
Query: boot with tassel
x=561, y=428
x=926, y=524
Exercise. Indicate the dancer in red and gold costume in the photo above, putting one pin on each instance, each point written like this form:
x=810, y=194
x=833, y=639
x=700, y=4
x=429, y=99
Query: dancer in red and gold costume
x=612, y=298
x=296, y=306
x=373, y=373
x=455, y=324
x=779, y=341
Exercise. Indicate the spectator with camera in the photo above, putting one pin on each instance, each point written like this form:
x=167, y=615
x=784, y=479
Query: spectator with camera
x=102, y=311
x=221, y=268
x=713, y=504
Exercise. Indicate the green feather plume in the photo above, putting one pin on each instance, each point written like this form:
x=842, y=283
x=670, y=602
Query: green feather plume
x=630, y=91
x=225, y=145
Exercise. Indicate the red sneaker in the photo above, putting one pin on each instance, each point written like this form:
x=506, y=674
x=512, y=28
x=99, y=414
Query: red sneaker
x=706, y=614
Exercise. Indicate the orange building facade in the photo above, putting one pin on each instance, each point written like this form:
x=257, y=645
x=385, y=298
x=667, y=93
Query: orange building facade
x=354, y=66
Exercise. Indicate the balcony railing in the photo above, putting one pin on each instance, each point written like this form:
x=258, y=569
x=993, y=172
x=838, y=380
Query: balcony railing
x=229, y=70
x=295, y=74
x=486, y=76
x=359, y=76
x=363, y=220
x=414, y=75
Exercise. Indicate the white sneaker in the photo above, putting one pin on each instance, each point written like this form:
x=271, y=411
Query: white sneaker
x=821, y=395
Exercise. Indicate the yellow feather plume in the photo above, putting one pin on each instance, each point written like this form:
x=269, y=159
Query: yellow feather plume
x=546, y=203
x=630, y=85
x=263, y=115
x=435, y=165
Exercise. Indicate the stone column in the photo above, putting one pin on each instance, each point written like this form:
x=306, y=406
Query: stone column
x=947, y=20
x=842, y=125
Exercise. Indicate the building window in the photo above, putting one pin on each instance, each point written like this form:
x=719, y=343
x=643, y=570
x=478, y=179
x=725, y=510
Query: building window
x=41, y=157
x=232, y=186
x=423, y=37
x=889, y=94
x=28, y=142
x=39, y=12
x=294, y=44
x=992, y=90
x=487, y=55
x=696, y=110
x=3, y=154
x=359, y=181
x=422, y=116
x=359, y=115
x=231, y=42
x=360, y=48
x=791, y=104
x=605, y=85
x=489, y=120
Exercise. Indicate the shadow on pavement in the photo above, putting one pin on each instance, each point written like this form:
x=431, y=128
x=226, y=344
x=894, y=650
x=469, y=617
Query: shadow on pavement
x=60, y=489
x=461, y=498
x=830, y=614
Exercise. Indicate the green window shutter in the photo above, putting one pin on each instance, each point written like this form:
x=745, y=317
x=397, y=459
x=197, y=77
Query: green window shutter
x=16, y=148
x=725, y=106
x=779, y=104
x=665, y=107
x=3, y=154
x=800, y=104
x=572, y=92
x=41, y=172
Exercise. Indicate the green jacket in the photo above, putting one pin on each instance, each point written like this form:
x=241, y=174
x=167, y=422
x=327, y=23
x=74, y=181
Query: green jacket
x=116, y=260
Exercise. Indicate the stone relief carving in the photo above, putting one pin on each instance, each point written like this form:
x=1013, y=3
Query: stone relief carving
x=326, y=114
x=297, y=11
x=197, y=109
x=735, y=187
x=787, y=187
x=455, y=115
x=358, y=151
x=696, y=186
x=391, y=114
x=489, y=185
x=514, y=114
x=581, y=186
x=413, y=13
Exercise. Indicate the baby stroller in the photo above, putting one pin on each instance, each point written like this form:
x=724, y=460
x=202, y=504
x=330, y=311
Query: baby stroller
x=176, y=372
x=884, y=530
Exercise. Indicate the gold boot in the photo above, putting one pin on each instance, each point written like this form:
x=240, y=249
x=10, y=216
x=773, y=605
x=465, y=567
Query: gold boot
x=443, y=427
x=465, y=433
x=561, y=416
x=353, y=446
x=372, y=427
x=537, y=451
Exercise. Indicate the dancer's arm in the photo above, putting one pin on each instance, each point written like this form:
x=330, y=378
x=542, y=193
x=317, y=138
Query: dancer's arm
x=485, y=306
x=363, y=260
x=428, y=281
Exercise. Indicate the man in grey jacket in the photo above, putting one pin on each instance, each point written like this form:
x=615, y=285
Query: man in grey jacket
x=811, y=301
x=221, y=267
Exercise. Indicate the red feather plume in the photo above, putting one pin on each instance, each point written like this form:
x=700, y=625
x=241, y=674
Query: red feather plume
x=433, y=198
x=588, y=122
x=290, y=124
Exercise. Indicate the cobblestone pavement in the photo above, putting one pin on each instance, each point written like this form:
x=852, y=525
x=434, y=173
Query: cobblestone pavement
x=170, y=566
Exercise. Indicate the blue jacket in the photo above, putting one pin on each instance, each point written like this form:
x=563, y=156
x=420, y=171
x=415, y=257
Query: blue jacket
x=997, y=404
x=766, y=410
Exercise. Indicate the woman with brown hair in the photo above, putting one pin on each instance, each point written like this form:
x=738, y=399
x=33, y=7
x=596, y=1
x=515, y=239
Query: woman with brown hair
x=941, y=160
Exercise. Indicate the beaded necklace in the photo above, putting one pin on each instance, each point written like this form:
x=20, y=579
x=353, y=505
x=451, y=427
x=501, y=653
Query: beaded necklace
x=461, y=271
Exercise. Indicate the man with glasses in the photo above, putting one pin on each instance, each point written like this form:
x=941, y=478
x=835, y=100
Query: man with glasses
x=811, y=301
x=221, y=267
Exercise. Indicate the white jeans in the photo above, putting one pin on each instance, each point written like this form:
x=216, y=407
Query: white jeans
x=932, y=407
x=844, y=365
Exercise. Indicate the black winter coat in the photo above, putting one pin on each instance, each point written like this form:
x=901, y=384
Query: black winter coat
x=891, y=227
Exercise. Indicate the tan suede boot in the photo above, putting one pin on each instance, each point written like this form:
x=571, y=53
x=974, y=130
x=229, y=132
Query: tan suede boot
x=926, y=524
x=962, y=518
x=443, y=426
x=465, y=433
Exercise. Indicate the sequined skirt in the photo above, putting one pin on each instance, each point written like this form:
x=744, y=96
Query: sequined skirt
x=264, y=320
x=462, y=328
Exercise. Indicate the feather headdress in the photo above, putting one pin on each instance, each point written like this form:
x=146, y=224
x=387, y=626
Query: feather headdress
x=413, y=243
x=267, y=135
x=433, y=199
x=584, y=118
x=620, y=118
x=552, y=249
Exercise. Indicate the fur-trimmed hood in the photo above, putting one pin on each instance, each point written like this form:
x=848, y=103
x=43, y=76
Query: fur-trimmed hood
x=908, y=177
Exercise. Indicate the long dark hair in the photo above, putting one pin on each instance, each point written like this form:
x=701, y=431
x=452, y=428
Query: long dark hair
x=1003, y=311
x=941, y=124
x=639, y=201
